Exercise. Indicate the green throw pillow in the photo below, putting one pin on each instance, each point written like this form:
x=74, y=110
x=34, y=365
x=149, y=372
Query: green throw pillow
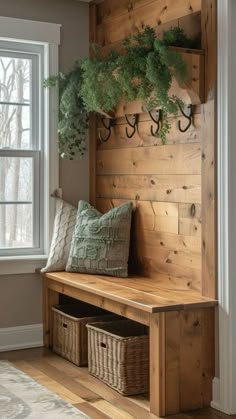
x=100, y=243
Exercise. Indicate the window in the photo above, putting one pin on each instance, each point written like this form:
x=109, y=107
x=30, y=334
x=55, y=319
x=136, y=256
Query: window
x=21, y=149
x=27, y=121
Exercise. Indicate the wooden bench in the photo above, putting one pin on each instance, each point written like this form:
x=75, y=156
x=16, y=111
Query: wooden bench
x=181, y=328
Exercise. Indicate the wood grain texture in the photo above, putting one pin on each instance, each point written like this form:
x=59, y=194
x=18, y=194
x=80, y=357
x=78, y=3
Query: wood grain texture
x=157, y=365
x=50, y=299
x=172, y=362
x=190, y=23
x=111, y=290
x=162, y=181
x=63, y=370
x=163, y=217
x=136, y=406
x=143, y=137
x=167, y=188
x=209, y=285
x=166, y=159
x=149, y=13
x=189, y=359
x=171, y=187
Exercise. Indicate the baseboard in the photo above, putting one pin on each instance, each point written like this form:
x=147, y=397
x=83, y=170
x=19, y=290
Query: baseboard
x=216, y=394
x=21, y=337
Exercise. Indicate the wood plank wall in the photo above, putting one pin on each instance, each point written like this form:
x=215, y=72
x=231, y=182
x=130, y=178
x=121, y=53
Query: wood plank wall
x=162, y=181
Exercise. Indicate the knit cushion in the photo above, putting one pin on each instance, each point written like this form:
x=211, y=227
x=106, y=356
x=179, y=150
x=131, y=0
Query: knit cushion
x=100, y=243
x=64, y=224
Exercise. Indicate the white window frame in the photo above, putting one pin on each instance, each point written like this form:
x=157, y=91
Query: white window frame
x=47, y=35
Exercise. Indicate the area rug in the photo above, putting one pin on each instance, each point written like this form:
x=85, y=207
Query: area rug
x=22, y=397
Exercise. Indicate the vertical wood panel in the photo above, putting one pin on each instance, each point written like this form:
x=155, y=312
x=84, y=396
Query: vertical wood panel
x=50, y=299
x=137, y=169
x=172, y=362
x=191, y=360
x=157, y=364
x=209, y=151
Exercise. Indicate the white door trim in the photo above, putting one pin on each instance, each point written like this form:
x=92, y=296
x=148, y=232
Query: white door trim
x=224, y=387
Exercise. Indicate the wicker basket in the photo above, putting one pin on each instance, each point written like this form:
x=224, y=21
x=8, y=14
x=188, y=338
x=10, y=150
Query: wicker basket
x=70, y=336
x=118, y=354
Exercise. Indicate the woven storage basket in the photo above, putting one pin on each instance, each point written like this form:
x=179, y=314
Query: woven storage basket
x=70, y=336
x=118, y=354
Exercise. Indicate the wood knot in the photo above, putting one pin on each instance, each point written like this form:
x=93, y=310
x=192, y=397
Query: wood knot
x=168, y=191
x=152, y=182
x=162, y=243
x=130, y=7
x=184, y=187
x=193, y=210
x=196, y=323
x=168, y=260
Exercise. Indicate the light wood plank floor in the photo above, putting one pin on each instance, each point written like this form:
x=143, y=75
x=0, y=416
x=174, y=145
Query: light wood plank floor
x=77, y=387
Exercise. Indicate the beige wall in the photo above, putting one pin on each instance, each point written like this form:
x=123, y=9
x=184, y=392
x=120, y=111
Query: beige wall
x=20, y=296
x=20, y=300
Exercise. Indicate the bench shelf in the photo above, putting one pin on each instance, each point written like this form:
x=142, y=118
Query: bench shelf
x=181, y=328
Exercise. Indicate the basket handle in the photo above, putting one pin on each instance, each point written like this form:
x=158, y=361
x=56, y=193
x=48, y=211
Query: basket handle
x=103, y=345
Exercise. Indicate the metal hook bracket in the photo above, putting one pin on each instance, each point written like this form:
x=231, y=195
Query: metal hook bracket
x=188, y=115
x=132, y=123
x=108, y=126
x=157, y=121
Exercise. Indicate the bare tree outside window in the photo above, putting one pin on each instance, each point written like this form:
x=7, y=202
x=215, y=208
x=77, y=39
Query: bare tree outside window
x=16, y=173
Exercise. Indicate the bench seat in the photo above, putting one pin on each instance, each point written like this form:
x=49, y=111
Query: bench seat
x=142, y=293
x=181, y=331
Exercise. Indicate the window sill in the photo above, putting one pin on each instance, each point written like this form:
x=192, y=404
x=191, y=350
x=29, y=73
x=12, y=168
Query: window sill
x=21, y=264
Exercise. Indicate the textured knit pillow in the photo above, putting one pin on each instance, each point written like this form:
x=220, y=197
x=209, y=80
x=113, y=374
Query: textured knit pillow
x=64, y=224
x=100, y=243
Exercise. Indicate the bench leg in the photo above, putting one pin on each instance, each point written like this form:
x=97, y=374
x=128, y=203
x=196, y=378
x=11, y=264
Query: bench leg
x=157, y=364
x=50, y=298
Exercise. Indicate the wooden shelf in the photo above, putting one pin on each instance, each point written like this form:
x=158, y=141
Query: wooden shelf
x=192, y=90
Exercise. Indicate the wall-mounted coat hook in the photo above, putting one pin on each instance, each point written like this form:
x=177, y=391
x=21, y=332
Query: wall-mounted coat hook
x=188, y=115
x=108, y=126
x=157, y=120
x=132, y=123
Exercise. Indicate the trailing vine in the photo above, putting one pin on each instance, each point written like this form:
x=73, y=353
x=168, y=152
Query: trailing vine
x=73, y=117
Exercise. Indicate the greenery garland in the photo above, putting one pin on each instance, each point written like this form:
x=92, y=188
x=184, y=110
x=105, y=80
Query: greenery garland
x=144, y=71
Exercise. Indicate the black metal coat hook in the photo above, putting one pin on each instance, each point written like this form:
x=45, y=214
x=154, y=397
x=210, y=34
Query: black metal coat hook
x=157, y=120
x=132, y=124
x=188, y=115
x=111, y=123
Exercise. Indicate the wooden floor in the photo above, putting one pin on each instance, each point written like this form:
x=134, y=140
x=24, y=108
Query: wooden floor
x=77, y=387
